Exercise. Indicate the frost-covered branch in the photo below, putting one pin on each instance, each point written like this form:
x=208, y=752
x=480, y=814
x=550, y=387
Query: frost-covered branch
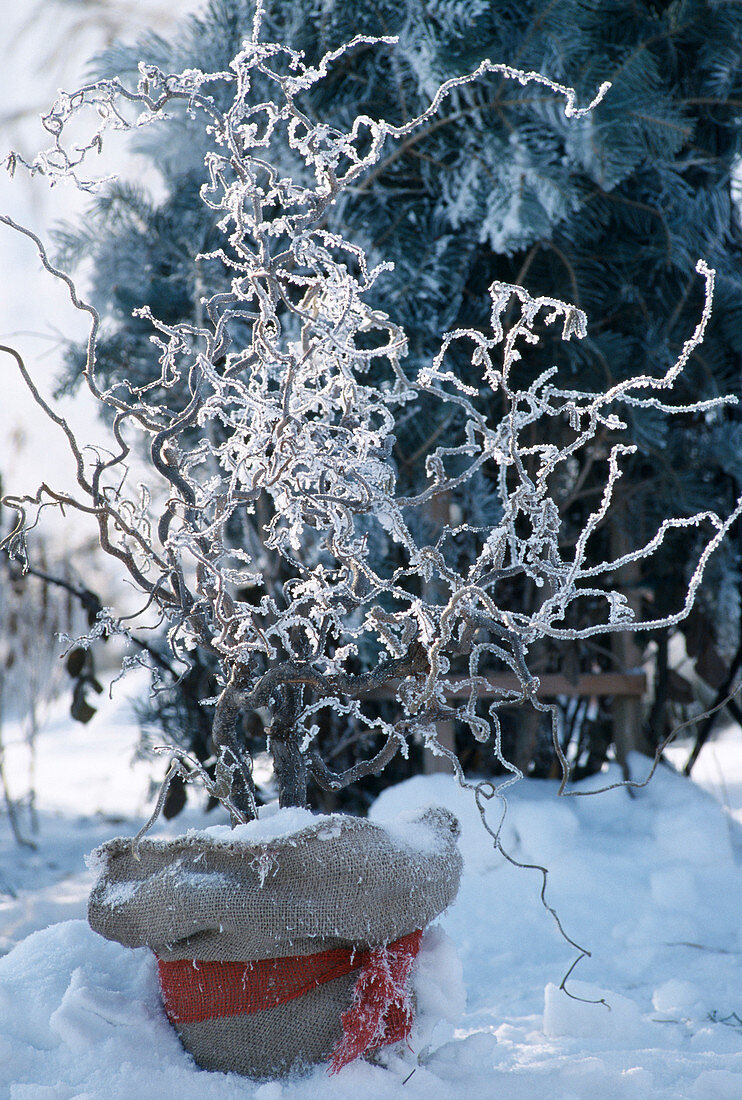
x=274, y=483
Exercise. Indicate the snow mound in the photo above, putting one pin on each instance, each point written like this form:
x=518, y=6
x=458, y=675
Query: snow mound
x=593, y=1014
x=649, y=884
x=82, y=1017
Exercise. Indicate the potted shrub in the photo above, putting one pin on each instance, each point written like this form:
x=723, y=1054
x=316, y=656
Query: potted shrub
x=273, y=535
x=287, y=941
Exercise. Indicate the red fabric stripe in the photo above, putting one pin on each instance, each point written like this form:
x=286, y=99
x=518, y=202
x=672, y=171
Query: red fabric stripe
x=195, y=990
x=380, y=1012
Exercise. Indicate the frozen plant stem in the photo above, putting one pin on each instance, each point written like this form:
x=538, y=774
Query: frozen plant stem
x=274, y=477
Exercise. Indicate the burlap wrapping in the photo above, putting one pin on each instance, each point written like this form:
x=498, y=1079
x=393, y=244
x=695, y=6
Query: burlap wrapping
x=341, y=882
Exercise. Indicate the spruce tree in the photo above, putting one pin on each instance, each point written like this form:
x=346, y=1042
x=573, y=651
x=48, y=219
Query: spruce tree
x=610, y=213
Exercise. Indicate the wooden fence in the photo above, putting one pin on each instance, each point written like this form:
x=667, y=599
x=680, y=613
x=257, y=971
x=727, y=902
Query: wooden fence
x=629, y=687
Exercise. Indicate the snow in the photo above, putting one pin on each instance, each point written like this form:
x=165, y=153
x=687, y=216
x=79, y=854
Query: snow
x=273, y=824
x=650, y=885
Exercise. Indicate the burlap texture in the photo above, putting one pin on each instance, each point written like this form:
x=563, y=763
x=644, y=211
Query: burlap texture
x=286, y=1039
x=340, y=882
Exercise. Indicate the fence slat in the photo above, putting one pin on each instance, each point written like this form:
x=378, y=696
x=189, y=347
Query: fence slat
x=624, y=684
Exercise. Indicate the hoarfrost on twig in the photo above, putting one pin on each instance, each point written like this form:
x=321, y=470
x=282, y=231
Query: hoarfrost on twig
x=274, y=477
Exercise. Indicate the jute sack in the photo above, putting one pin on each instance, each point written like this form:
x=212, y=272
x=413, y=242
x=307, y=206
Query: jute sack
x=342, y=890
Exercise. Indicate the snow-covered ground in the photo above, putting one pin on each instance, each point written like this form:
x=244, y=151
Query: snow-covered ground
x=650, y=885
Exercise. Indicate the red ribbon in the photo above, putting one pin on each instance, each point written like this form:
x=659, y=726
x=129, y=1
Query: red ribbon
x=379, y=1013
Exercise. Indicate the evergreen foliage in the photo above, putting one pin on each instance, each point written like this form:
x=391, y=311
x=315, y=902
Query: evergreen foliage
x=610, y=212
